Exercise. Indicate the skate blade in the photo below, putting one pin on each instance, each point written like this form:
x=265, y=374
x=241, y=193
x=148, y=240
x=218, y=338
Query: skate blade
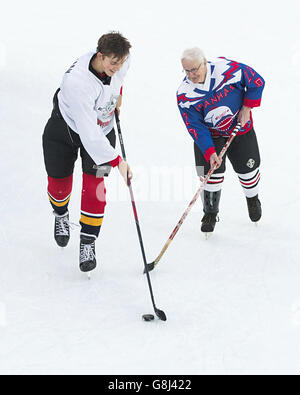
x=88, y=274
x=207, y=235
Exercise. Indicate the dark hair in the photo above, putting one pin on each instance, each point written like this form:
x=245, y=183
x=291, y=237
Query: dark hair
x=113, y=44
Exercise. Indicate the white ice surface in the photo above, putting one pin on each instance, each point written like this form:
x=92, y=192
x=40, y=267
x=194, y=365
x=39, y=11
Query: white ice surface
x=233, y=302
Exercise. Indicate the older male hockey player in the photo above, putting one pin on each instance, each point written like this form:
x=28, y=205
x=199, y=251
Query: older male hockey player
x=212, y=98
x=82, y=119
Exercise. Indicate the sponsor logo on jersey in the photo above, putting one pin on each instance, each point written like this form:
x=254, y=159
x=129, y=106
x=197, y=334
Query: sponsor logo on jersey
x=103, y=124
x=108, y=110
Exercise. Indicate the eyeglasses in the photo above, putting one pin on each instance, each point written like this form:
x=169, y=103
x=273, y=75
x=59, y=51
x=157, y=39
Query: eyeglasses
x=192, y=71
x=118, y=62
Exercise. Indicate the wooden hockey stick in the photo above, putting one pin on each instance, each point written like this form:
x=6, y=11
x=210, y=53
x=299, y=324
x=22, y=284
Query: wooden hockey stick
x=152, y=265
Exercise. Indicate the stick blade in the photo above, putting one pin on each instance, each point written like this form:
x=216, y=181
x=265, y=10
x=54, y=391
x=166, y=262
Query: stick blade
x=150, y=267
x=161, y=315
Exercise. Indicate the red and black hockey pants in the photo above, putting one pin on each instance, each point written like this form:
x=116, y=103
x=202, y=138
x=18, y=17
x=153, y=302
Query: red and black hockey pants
x=61, y=146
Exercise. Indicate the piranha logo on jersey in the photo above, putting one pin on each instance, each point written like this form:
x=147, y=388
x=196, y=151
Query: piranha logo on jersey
x=221, y=118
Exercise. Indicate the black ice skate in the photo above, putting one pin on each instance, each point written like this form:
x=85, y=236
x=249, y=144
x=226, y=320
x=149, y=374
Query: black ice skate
x=209, y=222
x=254, y=208
x=61, y=229
x=211, y=208
x=87, y=257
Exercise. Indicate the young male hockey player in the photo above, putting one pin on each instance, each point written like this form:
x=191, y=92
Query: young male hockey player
x=213, y=97
x=82, y=119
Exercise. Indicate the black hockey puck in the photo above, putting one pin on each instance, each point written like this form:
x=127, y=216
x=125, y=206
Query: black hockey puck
x=148, y=317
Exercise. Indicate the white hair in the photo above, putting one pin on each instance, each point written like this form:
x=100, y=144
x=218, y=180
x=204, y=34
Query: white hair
x=194, y=53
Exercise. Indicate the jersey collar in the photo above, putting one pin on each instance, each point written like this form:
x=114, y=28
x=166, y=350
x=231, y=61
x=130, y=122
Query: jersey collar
x=104, y=78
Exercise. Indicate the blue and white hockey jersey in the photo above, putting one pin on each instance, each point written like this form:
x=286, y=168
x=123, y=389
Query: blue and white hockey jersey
x=210, y=109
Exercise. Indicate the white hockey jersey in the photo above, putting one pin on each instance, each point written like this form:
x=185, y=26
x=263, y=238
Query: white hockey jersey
x=87, y=105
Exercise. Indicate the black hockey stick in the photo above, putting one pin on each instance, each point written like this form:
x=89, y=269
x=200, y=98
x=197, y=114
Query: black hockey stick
x=160, y=314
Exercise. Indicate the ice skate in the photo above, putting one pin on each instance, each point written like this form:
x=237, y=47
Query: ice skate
x=87, y=257
x=211, y=208
x=208, y=224
x=254, y=209
x=61, y=229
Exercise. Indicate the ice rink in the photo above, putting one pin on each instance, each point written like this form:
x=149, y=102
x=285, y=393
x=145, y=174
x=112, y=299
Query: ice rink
x=233, y=301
